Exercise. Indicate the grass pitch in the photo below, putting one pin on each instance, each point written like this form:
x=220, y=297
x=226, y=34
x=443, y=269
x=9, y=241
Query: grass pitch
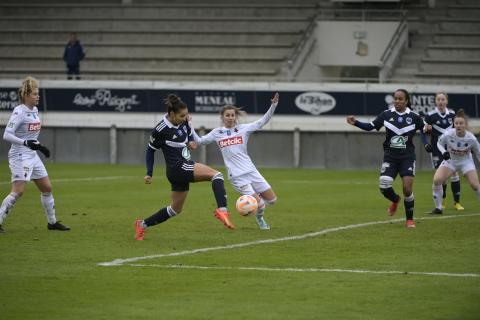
x=376, y=271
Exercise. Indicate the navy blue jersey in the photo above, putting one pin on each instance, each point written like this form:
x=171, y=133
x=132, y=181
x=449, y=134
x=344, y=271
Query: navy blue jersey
x=400, y=128
x=172, y=140
x=440, y=123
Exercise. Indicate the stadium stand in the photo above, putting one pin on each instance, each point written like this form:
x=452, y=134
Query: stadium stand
x=224, y=40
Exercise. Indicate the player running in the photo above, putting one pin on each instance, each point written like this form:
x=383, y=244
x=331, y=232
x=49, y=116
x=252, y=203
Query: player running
x=456, y=145
x=400, y=123
x=232, y=139
x=22, y=131
x=174, y=137
x=439, y=120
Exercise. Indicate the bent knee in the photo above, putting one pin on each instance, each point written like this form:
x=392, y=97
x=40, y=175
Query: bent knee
x=270, y=202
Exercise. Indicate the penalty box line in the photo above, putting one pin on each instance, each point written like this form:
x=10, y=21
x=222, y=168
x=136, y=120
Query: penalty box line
x=119, y=262
x=311, y=270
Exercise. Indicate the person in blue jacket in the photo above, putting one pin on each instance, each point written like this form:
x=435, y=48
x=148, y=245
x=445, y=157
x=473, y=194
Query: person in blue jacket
x=72, y=55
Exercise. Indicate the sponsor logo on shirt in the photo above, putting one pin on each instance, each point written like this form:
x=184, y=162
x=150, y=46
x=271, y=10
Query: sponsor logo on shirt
x=35, y=126
x=230, y=141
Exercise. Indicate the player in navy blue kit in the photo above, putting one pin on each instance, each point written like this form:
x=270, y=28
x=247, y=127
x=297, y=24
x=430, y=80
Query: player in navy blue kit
x=400, y=123
x=174, y=137
x=439, y=120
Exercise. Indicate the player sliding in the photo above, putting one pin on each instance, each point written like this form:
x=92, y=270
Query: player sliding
x=22, y=131
x=399, y=152
x=173, y=136
x=232, y=140
x=456, y=146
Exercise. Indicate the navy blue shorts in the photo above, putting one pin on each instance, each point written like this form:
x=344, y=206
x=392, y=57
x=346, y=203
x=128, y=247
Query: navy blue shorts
x=392, y=166
x=181, y=175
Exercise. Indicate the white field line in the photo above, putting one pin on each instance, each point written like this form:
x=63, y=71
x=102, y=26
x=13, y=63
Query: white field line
x=86, y=179
x=182, y=266
x=119, y=262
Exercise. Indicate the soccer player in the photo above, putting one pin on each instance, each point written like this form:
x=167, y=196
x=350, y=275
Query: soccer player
x=174, y=137
x=232, y=140
x=400, y=124
x=439, y=120
x=22, y=131
x=456, y=145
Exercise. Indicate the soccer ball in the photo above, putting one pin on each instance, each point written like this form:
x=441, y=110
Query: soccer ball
x=246, y=205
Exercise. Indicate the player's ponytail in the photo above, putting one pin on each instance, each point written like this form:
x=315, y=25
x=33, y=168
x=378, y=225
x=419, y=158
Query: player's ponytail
x=28, y=85
x=174, y=103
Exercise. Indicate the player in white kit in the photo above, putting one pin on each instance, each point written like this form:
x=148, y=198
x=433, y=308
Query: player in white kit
x=456, y=145
x=232, y=140
x=22, y=131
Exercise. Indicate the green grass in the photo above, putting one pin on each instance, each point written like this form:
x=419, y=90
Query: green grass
x=55, y=275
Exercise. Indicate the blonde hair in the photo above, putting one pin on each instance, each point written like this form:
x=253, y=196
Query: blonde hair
x=238, y=111
x=28, y=85
x=442, y=92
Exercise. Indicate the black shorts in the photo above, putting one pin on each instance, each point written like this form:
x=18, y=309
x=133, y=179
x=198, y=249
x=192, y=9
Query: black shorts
x=392, y=166
x=437, y=158
x=181, y=175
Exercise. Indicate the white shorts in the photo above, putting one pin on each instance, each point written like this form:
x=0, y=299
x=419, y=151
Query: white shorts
x=250, y=183
x=26, y=168
x=464, y=165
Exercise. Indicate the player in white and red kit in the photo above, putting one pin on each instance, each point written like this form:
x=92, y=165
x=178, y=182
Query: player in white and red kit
x=22, y=131
x=456, y=145
x=232, y=139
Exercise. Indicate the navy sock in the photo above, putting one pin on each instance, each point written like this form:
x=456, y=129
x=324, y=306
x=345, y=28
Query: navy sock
x=445, y=190
x=409, y=205
x=218, y=188
x=157, y=218
x=390, y=194
x=456, y=190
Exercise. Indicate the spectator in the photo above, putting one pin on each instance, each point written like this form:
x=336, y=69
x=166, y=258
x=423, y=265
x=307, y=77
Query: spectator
x=73, y=54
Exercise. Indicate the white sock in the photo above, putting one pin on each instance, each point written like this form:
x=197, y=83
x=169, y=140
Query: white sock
x=48, y=204
x=437, y=196
x=7, y=205
x=261, y=208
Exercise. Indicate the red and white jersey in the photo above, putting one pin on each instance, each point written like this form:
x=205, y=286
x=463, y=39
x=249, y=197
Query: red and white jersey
x=24, y=124
x=233, y=143
x=459, y=147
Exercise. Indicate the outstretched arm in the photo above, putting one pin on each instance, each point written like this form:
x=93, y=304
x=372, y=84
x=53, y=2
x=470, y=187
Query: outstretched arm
x=268, y=115
x=362, y=125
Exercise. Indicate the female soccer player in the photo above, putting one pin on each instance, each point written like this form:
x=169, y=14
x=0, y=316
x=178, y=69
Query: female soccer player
x=174, y=137
x=439, y=120
x=232, y=140
x=399, y=152
x=22, y=131
x=456, y=146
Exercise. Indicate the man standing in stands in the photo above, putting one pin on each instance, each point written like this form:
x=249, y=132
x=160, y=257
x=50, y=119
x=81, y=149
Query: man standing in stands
x=72, y=55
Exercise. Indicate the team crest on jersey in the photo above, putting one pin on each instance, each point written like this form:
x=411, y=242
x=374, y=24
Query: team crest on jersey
x=408, y=120
x=230, y=141
x=398, y=142
x=229, y=132
x=400, y=119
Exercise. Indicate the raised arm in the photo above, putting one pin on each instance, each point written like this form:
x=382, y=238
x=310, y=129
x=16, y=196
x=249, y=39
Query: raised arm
x=256, y=125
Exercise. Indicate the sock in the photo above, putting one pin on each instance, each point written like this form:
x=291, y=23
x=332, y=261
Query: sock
x=7, y=205
x=261, y=208
x=390, y=194
x=444, y=186
x=437, y=196
x=409, y=203
x=160, y=216
x=48, y=204
x=218, y=188
x=478, y=193
x=456, y=190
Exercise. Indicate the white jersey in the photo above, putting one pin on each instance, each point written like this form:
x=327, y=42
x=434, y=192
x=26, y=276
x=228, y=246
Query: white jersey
x=460, y=148
x=24, y=124
x=233, y=143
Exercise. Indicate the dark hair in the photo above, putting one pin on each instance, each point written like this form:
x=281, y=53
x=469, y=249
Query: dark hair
x=407, y=96
x=461, y=114
x=174, y=103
